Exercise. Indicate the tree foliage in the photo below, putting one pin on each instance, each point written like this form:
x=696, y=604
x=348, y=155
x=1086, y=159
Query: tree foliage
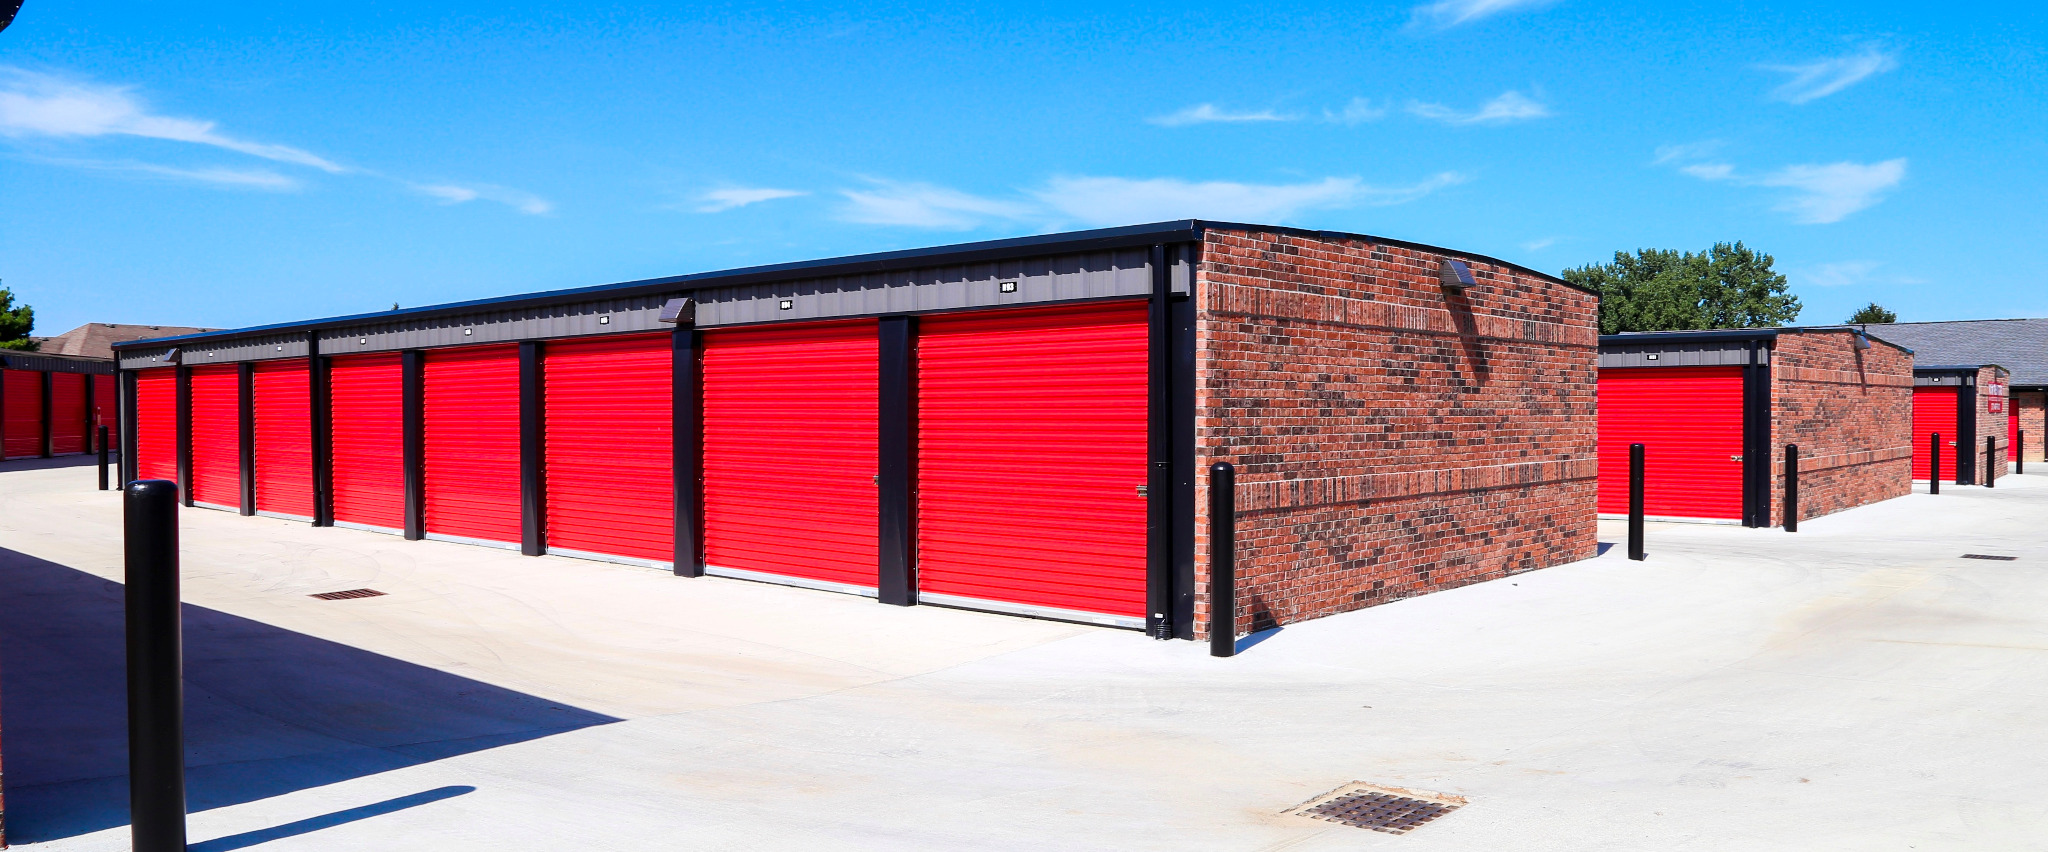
x=1873, y=312
x=15, y=323
x=1727, y=286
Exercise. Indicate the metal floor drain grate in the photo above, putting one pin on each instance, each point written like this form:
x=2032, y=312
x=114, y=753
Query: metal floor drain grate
x=347, y=595
x=1389, y=809
x=1990, y=557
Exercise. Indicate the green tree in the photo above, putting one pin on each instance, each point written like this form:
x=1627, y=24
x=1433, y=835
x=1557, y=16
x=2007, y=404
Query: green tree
x=15, y=323
x=1727, y=286
x=1873, y=312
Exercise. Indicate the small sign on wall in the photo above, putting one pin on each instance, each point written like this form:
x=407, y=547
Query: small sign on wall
x=1997, y=405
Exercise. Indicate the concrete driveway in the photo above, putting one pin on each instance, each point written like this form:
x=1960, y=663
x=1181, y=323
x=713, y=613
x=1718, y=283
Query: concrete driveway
x=1856, y=685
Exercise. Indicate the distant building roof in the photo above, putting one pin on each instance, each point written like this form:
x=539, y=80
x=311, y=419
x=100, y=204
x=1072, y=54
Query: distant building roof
x=96, y=339
x=2019, y=345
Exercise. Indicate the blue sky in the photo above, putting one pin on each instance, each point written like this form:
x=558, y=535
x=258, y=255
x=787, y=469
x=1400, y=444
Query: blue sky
x=230, y=164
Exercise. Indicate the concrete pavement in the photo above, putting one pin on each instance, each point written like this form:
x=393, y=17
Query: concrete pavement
x=1856, y=685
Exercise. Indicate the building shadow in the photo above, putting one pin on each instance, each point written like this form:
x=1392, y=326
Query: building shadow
x=61, y=461
x=311, y=824
x=268, y=711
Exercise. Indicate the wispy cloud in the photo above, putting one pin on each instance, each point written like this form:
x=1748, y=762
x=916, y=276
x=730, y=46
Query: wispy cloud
x=922, y=205
x=729, y=197
x=1124, y=201
x=228, y=178
x=1539, y=245
x=1687, y=152
x=1845, y=273
x=1509, y=107
x=520, y=200
x=1358, y=111
x=1210, y=114
x=33, y=104
x=1709, y=171
x=1823, y=77
x=1450, y=13
x=1830, y=192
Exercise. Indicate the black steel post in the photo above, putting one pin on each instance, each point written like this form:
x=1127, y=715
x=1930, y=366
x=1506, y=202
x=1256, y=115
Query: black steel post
x=1159, y=453
x=687, y=412
x=103, y=458
x=49, y=415
x=1791, y=487
x=413, y=440
x=156, y=681
x=533, y=494
x=1635, y=502
x=896, y=473
x=1222, y=560
x=1990, y=462
x=320, y=428
x=1934, y=463
x=245, y=422
x=184, y=437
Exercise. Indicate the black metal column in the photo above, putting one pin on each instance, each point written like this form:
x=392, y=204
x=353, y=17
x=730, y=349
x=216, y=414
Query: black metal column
x=127, y=421
x=687, y=407
x=896, y=474
x=1934, y=463
x=1791, y=487
x=1185, y=256
x=92, y=387
x=1966, y=432
x=102, y=450
x=184, y=444
x=1222, y=560
x=1990, y=462
x=322, y=433
x=1635, y=503
x=412, y=402
x=156, y=681
x=533, y=495
x=1159, y=453
x=246, y=403
x=1756, y=437
x=49, y=413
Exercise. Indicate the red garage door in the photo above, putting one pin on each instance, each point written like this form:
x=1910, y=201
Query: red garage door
x=106, y=404
x=1031, y=447
x=369, y=443
x=472, y=443
x=67, y=413
x=156, y=424
x=1935, y=411
x=610, y=460
x=216, y=436
x=790, y=435
x=284, y=439
x=1689, y=421
x=23, y=417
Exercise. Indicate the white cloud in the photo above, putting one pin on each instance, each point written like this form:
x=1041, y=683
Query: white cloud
x=1508, y=107
x=1125, y=201
x=215, y=176
x=1358, y=111
x=1709, y=171
x=34, y=104
x=1829, y=193
x=1841, y=274
x=1445, y=14
x=1209, y=114
x=729, y=197
x=520, y=200
x=921, y=205
x=1539, y=245
x=1686, y=152
x=1823, y=77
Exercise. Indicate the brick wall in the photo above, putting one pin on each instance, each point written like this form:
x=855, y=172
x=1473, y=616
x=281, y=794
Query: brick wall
x=2033, y=410
x=1851, y=413
x=1990, y=424
x=1390, y=439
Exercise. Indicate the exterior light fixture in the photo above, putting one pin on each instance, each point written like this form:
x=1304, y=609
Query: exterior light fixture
x=1862, y=340
x=604, y=320
x=1454, y=275
x=788, y=304
x=679, y=310
x=172, y=356
x=1007, y=287
x=468, y=331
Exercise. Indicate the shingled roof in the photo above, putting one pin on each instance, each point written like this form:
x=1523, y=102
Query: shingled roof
x=96, y=339
x=2019, y=345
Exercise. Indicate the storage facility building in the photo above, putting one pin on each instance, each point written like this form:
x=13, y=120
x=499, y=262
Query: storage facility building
x=1963, y=406
x=1021, y=426
x=2018, y=345
x=50, y=405
x=1715, y=410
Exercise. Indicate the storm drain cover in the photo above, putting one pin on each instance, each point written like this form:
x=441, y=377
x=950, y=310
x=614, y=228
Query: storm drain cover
x=348, y=594
x=1389, y=809
x=1988, y=556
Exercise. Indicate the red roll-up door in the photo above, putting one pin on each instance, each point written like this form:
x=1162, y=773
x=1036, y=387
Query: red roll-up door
x=23, y=426
x=472, y=442
x=156, y=424
x=610, y=459
x=216, y=436
x=106, y=404
x=67, y=413
x=1689, y=421
x=790, y=458
x=1936, y=411
x=1031, y=443
x=368, y=425
x=284, y=438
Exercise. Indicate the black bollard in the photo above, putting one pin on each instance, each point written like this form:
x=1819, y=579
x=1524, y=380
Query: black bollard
x=1990, y=462
x=1635, y=502
x=103, y=458
x=1934, y=463
x=1222, y=560
x=1791, y=487
x=156, y=685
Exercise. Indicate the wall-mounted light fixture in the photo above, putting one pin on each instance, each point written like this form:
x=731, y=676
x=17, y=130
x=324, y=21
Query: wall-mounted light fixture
x=1862, y=340
x=788, y=304
x=172, y=356
x=1454, y=275
x=679, y=310
x=1007, y=287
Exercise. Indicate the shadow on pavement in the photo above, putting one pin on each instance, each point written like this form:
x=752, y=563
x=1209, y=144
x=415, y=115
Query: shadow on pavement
x=59, y=461
x=1246, y=642
x=306, y=826
x=268, y=711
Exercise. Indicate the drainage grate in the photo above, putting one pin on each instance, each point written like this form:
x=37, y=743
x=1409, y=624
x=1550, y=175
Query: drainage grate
x=347, y=595
x=1389, y=809
x=1987, y=556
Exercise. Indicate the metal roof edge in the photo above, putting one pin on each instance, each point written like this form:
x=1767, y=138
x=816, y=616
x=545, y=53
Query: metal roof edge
x=1955, y=368
x=1709, y=335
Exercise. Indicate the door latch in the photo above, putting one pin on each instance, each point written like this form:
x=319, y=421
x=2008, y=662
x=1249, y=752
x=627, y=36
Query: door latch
x=1143, y=491
x=1735, y=458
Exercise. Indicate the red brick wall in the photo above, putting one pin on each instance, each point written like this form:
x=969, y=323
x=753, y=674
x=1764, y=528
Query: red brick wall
x=1989, y=424
x=1851, y=413
x=2033, y=421
x=1390, y=439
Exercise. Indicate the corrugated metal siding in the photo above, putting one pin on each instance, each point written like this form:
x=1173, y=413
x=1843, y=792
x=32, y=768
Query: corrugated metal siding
x=216, y=435
x=67, y=413
x=1725, y=353
x=368, y=434
x=1689, y=421
x=472, y=442
x=610, y=460
x=598, y=317
x=1094, y=275
x=284, y=438
x=268, y=347
x=790, y=437
x=23, y=424
x=1031, y=447
x=40, y=363
x=106, y=403
x=1935, y=411
x=156, y=424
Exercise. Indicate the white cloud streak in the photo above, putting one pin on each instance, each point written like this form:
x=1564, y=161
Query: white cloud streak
x=1450, y=13
x=263, y=179
x=1829, y=193
x=34, y=104
x=1358, y=111
x=1125, y=201
x=1823, y=77
x=728, y=197
x=922, y=205
x=1845, y=273
x=1210, y=114
x=520, y=200
x=1509, y=107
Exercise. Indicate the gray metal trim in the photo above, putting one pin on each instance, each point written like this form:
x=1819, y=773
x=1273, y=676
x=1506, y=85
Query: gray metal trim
x=199, y=505
x=606, y=557
x=351, y=525
x=28, y=361
x=1047, y=612
x=1671, y=519
x=1728, y=353
x=264, y=513
x=1947, y=380
x=1038, y=280
x=799, y=582
x=230, y=351
x=479, y=542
